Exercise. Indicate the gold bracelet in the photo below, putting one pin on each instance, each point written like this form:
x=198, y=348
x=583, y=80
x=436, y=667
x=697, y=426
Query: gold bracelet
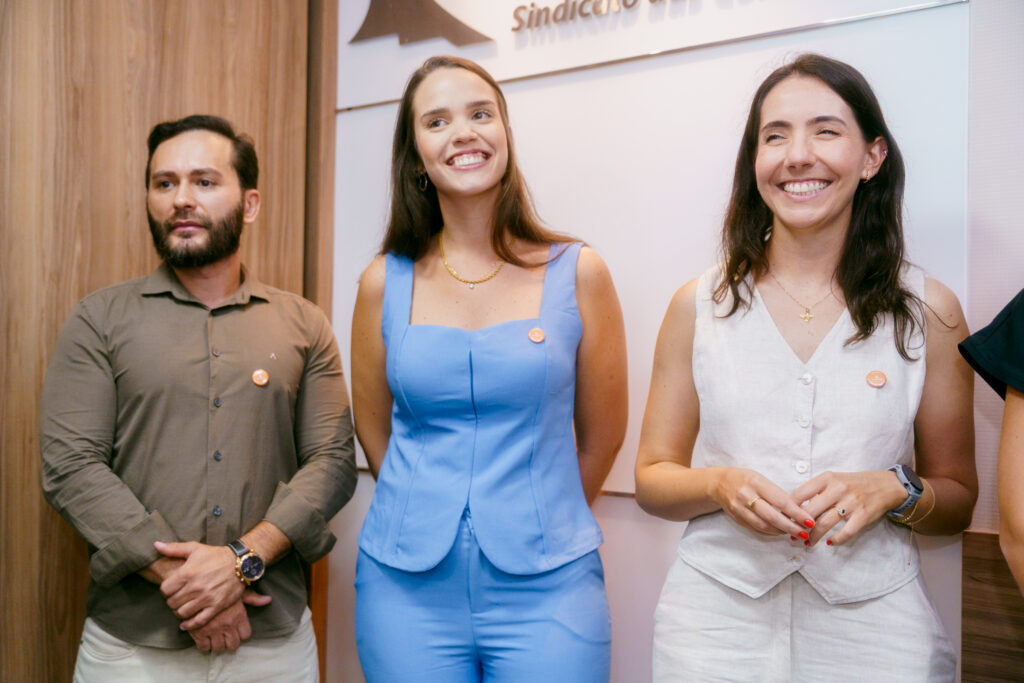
x=905, y=519
x=910, y=521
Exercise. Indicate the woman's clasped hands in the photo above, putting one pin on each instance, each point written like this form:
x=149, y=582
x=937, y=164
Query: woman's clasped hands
x=813, y=511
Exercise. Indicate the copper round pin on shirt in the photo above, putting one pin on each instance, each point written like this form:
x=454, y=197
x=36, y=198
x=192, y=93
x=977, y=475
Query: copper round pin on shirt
x=260, y=377
x=876, y=378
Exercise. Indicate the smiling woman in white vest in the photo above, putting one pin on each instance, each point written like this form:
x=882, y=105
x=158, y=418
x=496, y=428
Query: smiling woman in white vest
x=808, y=411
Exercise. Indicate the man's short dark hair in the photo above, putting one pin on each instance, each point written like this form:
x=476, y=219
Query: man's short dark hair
x=243, y=159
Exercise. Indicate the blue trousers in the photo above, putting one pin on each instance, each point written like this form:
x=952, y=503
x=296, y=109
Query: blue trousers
x=465, y=620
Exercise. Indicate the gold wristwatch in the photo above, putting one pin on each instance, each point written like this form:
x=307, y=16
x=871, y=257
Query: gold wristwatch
x=249, y=566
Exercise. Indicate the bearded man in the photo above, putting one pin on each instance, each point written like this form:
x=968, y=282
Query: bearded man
x=196, y=432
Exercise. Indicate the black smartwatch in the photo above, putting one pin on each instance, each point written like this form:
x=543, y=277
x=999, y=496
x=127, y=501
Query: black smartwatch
x=248, y=565
x=912, y=483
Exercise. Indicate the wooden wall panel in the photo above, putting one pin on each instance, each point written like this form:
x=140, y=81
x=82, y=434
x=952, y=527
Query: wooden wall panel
x=319, y=254
x=993, y=614
x=81, y=84
x=321, y=124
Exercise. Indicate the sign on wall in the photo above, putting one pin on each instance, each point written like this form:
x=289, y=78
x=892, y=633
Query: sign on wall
x=383, y=41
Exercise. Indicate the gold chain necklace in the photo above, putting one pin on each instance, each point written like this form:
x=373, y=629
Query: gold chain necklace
x=451, y=271
x=806, y=316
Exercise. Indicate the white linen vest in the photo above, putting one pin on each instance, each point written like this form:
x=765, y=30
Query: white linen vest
x=762, y=408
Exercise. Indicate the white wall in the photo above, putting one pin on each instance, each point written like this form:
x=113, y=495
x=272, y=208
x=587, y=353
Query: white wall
x=637, y=159
x=995, y=246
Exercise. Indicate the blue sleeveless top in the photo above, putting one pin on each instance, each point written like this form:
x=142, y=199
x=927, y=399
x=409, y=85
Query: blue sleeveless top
x=482, y=421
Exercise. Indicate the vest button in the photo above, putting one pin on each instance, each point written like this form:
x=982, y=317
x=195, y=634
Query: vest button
x=806, y=378
x=800, y=466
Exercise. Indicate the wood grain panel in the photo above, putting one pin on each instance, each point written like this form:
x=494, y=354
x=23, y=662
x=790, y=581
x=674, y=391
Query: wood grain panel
x=322, y=79
x=322, y=100
x=993, y=614
x=81, y=84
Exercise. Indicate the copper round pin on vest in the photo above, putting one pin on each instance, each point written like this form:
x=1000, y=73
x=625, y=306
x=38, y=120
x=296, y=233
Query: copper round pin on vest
x=537, y=335
x=876, y=378
x=260, y=378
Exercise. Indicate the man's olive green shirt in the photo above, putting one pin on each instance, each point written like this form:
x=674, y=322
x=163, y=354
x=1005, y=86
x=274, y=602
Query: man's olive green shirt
x=157, y=425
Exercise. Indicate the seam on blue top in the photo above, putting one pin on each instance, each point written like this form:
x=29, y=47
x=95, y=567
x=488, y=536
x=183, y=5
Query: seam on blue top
x=557, y=270
x=395, y=532
x=535, y=486
x=401, y=277
x=476, y=429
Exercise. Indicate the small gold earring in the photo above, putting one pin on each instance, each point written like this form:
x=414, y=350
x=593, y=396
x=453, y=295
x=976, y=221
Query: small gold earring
x=423, y=182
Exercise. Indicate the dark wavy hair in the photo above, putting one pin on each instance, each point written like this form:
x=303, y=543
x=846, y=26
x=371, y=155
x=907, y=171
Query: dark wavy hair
x=243, y=157
x=416, y=214
x=873, y=252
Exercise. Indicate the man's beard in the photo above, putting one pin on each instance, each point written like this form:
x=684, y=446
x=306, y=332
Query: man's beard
x=222, y=239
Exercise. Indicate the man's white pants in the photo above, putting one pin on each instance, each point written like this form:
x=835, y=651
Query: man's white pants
x=103, y=658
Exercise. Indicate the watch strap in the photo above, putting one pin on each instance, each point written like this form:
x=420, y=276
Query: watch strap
x=913, y=493
x=238, y=548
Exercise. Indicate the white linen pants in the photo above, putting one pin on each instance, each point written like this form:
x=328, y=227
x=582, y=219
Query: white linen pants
x=706, y=631
x=103, y=658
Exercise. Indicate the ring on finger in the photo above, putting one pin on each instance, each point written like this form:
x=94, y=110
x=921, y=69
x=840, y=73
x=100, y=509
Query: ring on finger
x=752, y=501
x=840, y=511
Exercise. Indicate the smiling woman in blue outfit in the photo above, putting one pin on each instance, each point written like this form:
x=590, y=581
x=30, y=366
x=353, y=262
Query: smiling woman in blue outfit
x=489, y=392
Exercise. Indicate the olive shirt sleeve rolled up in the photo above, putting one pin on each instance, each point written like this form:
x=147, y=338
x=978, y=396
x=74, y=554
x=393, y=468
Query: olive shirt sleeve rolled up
x=163, y=419
x=78, y=424
x=326, y=477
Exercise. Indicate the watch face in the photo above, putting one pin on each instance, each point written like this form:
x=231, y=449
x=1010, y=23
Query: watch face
x=912, y=477
x=252, y=567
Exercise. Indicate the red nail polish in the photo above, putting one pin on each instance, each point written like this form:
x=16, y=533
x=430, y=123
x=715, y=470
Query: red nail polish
x=809, y=523
x=804, y=535
x=807, y=542
x=828, y=542
x=792, y=538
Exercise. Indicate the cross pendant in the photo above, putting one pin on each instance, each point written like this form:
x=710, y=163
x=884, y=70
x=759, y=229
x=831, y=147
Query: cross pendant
x=806, y=315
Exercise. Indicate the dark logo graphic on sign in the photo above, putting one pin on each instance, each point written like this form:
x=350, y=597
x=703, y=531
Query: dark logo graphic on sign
x=414, y=21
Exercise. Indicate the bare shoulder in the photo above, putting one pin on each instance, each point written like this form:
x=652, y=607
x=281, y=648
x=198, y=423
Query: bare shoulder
x=591, y=271
x=683, y=307
x=596, y=298
x=371, y=282
x=943, y=311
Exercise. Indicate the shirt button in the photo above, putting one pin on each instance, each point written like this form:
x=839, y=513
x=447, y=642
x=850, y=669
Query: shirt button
x=216, y=402
x=802, y=421
x=217, y=456
x=216, y=351
x=216, y=510
x=800, y=467
x=806, y=378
